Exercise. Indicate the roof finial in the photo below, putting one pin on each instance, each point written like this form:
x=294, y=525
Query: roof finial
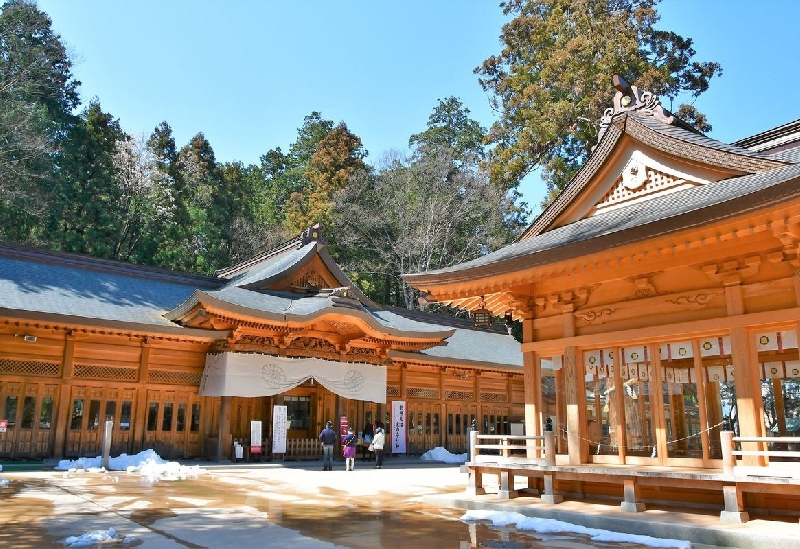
x=629, y=98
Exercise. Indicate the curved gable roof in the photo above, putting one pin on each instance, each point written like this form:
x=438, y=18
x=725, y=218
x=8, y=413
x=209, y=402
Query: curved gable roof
x=657, y=216
x=674, y=141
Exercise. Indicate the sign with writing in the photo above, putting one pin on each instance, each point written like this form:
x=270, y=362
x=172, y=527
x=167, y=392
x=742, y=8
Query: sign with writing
x=255, y=437
x=3, y=425
x=398, y=431
x=279, y=414
x=343, y=423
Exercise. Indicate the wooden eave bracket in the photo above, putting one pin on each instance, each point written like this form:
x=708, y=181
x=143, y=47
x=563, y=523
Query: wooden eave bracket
x=730, y=273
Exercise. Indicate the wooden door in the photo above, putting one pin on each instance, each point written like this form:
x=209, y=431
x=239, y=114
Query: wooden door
x=174, y=419
x=459, y=421
x=495, y=420
x=90, y=408
x=424, y=424
x=28, y=408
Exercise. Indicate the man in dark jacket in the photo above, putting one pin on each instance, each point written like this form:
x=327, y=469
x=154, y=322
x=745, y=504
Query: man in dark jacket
x=328, y=439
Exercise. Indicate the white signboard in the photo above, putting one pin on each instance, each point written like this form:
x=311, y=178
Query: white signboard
x=255, y=437
x=398, y=432
x=279, y=429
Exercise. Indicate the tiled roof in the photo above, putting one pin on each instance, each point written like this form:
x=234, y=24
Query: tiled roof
x=655, y=213
x=69, y=286
x=272, y=266
x=35, y=286
x=698, y=139
x=788, y=155
x=673, y=140
x=786, y=133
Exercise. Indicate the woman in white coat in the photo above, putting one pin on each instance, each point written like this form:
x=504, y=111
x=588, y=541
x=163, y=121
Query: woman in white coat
x=378, y=442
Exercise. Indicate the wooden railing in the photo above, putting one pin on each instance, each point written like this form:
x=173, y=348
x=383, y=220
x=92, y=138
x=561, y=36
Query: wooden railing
x=513, y=448
x=303, y=448
x=761, y=448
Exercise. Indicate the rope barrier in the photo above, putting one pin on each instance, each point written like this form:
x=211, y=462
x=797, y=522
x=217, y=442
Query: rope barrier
x=644, y=447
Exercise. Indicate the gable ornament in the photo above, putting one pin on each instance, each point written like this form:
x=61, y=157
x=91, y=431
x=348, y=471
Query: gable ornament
x=630, y=98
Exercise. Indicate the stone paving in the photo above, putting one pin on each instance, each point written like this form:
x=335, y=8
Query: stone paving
x=300, y=506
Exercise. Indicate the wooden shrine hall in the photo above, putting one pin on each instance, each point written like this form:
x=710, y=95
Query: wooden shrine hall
x=183, y=364
x=660, y=300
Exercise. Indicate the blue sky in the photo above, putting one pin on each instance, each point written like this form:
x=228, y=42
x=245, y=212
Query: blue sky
x=246, y=73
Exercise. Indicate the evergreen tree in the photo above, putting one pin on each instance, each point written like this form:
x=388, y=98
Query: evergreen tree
x=552, y=81
x=84, y=217
x=37, y=96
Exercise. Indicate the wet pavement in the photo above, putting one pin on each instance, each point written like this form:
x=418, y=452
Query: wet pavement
x=406, y=504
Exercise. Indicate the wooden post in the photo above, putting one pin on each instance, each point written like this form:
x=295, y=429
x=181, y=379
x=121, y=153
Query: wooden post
x=549, y=495
x=506, y=490
x=734, y=509
x=473, y=442
x=549, y=448
x=63, y=414
x=631, y=501
x=224, y=441
x=728, y=459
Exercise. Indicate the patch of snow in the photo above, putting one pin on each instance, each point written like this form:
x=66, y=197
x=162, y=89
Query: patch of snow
x=90, y=539
x=552, y=526
x=441, y=454
x=147, y=463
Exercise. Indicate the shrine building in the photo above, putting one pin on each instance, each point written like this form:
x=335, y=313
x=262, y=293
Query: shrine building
x=659, y=294
x=184, y=363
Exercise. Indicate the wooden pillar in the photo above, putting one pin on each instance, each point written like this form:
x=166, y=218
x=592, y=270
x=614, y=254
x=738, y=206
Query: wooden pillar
x=561, y=410
x=575, y=397
x=225, y=439
x=476, y=390
x=140, y=413
x=749, y=401
x=701, y=381
x=63, y=413
x=780, y=406
x=532, y=380
x=443, y=409
x=618, y=398
x=657, y=403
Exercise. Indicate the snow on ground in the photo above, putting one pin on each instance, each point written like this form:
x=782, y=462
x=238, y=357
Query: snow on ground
x=147, y=463
x=441, y=454
x=91, y=539
x=551, y=526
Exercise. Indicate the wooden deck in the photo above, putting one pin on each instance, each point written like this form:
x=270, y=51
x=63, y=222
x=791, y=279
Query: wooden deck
x=736, y=491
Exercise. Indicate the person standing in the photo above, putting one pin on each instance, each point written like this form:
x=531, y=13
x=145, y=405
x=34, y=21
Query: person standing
x=349, y=449
x=367, y=440
x=328, y=439
x=378, y=442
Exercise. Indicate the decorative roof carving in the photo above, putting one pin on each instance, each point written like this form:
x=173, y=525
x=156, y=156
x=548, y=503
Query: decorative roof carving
x=641, y=178
x=630, y=98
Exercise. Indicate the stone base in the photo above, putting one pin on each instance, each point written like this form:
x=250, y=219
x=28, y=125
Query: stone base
x=552, y=499
x=734, y=516
x=507, y=494
x=632, y=507
x=475, y=491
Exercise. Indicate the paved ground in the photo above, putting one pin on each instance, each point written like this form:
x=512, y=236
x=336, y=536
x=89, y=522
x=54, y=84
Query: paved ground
x=227, y=506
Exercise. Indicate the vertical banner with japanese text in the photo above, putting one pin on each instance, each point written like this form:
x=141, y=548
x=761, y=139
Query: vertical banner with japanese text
x=279, y=414
x=398, y=432
x=255, y=437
